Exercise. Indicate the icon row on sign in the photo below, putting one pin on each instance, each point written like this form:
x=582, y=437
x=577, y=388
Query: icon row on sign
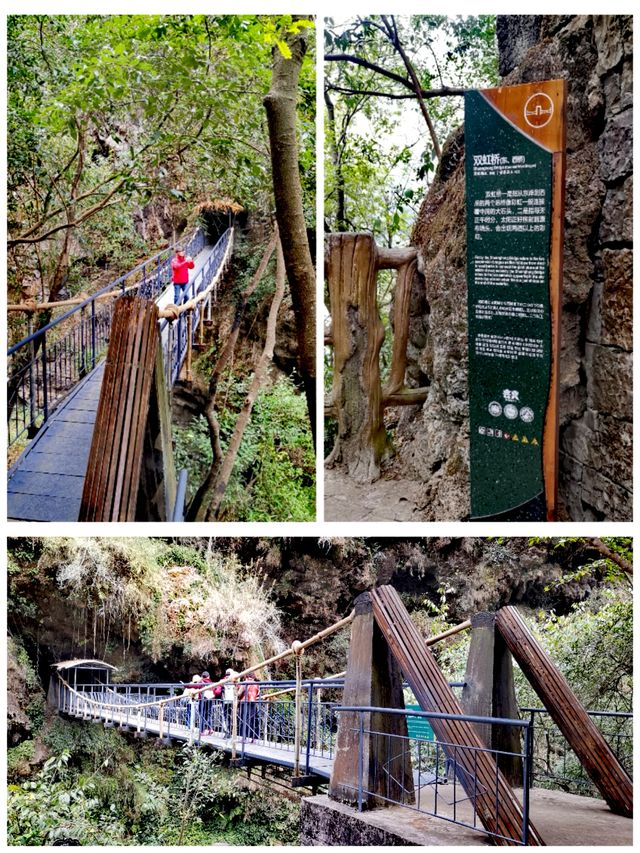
x=510, y=411
x=507, y=436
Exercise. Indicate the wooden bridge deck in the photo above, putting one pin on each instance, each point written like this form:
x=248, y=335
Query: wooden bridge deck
x=46, y=481
x=267, y=752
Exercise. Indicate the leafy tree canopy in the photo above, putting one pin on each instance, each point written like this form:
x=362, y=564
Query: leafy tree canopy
x=107, y=113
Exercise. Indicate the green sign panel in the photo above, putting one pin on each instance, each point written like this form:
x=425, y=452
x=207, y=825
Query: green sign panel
x=419, y=727
x=508, y=191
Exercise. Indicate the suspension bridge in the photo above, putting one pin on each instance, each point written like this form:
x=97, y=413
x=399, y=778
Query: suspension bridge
x=61, y=404
x=352, y=734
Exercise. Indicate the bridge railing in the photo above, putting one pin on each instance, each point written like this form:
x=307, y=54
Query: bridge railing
x=47, y=364
x=270, y=721
x=555, y=765
x=437, y=778
x=178, y=337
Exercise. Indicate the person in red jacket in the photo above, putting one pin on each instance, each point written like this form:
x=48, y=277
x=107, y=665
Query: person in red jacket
x=180, y=267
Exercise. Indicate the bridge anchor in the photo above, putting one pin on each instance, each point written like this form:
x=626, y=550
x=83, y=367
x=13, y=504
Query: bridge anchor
x=311, y=780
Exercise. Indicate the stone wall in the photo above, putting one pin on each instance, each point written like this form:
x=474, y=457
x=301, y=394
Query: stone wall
x=594, y=54
x=326, y=823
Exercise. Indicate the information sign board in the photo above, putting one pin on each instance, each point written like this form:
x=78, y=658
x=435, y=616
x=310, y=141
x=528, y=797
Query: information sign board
x=514, y=149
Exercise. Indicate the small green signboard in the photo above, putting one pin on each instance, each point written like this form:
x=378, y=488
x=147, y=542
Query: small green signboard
x=509, y=182
x=419, y=727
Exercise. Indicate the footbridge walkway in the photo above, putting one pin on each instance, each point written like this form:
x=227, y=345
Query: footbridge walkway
x=56, y=375
x=354, y=733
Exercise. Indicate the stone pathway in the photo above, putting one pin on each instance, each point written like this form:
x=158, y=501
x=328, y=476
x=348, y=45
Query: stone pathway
x=384, y=500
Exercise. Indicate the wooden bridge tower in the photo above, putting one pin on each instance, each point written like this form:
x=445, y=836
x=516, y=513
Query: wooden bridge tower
x=373, y=679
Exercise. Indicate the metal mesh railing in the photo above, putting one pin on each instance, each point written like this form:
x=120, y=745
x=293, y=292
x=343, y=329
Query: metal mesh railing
x=436, y=777
x=555, y=765
x=44, y=367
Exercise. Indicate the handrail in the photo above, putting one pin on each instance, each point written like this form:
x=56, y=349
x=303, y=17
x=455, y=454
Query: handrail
x=436, y=715
x=624, y=714
x=108, y=287
x=43, y=373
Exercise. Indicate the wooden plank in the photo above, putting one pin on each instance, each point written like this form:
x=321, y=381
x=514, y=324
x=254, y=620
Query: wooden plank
x=139, y=392
x=568, y=713
x=550, y=445
x=113, y=475
x=157, y=493
x=495, y=803
x=93, y=493
x=373, y=679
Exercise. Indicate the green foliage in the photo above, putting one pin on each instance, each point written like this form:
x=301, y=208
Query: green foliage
x=56, y=806
x=149, y=796
x=182, y=555
x=174, y=599
x=602, y=566
x=89, y=747
x=274, y=475
x=33, y=701
x=593, y=647
x=108, y=114
x=18, y=757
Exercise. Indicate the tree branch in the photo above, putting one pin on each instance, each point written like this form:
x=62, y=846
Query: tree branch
x=357, y=60
x=395, y=40
x=621, y=562
x=106, y=202
x=425, y=93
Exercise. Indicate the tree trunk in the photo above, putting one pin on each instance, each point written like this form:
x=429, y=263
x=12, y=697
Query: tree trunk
x=280, y=104
x=341, y=223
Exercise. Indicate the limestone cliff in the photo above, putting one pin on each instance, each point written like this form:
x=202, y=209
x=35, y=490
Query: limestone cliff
x=594, y=54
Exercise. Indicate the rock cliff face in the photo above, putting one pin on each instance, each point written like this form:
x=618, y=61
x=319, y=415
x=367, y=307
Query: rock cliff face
x=594, y=54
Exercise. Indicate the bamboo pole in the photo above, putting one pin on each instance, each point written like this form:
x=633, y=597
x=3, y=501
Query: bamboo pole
x=431, y=641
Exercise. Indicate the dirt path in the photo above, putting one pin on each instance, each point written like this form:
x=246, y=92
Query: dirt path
x=384, y=500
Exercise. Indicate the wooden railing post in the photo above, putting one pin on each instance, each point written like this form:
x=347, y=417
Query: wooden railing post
x=357, y=334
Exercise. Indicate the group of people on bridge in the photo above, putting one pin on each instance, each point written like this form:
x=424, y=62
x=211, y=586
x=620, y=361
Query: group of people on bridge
x=211, y=708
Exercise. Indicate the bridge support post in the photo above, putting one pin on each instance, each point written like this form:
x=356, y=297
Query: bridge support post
x=489, y=691
x=371, y=761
